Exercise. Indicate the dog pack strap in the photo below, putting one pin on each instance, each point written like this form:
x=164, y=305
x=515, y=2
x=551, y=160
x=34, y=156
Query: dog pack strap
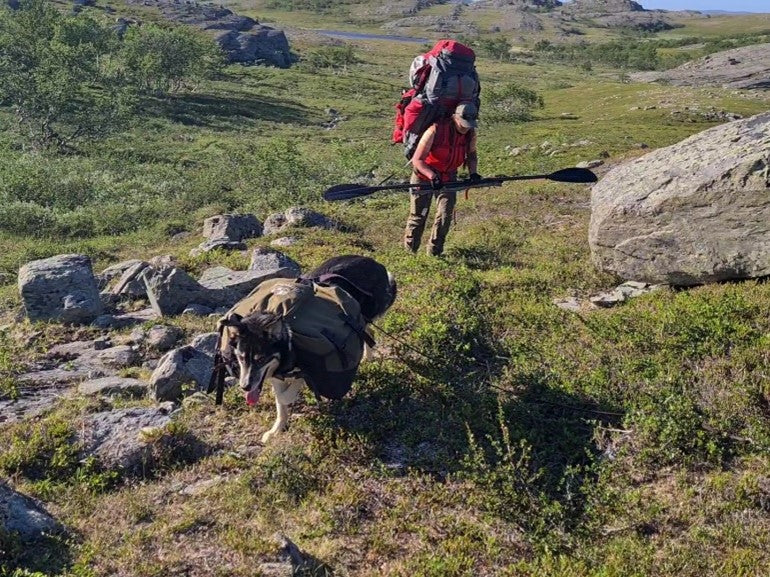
x=359, y=330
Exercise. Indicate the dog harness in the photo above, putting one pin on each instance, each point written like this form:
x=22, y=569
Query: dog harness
x=327, y=330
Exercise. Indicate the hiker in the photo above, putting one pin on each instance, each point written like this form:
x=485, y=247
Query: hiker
x=443, y=148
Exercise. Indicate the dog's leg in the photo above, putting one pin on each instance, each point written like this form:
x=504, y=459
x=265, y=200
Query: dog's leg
x=285, y=394
x=368, y=351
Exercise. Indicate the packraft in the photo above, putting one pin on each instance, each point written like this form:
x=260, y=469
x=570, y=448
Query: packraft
x=326, y=325
x=439, y=80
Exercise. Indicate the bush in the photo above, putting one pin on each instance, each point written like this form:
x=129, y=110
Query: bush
x=498, y=48
x=334, y=57
x=163, y=59
x=510, y=103
x=58, y=73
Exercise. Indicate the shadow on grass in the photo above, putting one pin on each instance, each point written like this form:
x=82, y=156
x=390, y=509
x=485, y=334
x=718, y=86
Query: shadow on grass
x=225, y=112
x=479, y=257
x=449, y=419
x=49, y=555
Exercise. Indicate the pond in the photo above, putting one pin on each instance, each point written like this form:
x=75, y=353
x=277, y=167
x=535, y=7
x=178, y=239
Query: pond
x=362, y=36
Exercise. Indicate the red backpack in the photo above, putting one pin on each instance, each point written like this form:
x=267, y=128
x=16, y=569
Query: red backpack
x=441, y=79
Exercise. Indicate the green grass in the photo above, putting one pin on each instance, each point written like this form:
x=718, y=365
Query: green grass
x=499, y=435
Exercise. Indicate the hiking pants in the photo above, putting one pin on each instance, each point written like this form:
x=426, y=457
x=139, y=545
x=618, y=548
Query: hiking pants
x=419, y=206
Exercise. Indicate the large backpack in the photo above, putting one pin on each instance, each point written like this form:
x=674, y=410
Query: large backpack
x=440, y=80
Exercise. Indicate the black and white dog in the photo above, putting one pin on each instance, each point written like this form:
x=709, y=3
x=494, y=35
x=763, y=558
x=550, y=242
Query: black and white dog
x=262, y=342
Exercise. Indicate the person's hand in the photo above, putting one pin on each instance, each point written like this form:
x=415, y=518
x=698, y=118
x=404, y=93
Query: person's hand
x=435, y=182
x=474, y=177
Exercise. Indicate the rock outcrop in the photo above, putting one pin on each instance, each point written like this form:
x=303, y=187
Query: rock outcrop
x=691, y=213
x=243, y=39
x=618, y=14
x=747, y=67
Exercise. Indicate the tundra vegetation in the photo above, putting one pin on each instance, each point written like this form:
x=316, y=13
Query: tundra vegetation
x=522, y=439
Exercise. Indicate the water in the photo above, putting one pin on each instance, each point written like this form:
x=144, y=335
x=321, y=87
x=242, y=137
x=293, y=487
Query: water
x=362, y=36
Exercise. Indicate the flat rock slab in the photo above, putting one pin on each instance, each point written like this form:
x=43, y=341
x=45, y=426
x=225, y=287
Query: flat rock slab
x=124, y=320
x=31, y=403
x=133, y=441
x=241, y=282
x=114, y=386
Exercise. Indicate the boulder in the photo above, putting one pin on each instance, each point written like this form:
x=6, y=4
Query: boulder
x=115, y=271
x=162, y=337
x=24, y=516
x=235, y=227
x=268, y=260
x=206, y=343
x=185, y=366
x=296, y=217
x=119, y=357
x=61, y=288
x=260, y=44
x=691, y=213
x=131, y=283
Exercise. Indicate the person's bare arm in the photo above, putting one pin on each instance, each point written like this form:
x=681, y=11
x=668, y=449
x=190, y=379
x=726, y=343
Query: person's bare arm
x=421, y=153
x=472, y=159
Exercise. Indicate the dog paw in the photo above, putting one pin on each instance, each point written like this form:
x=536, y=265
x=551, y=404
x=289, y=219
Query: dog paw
x=269, y=435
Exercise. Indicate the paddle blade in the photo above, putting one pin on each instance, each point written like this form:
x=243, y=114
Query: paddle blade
x=346, y=191
x=576, y=175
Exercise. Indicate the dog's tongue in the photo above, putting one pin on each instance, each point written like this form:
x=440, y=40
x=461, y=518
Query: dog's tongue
x=252, y=396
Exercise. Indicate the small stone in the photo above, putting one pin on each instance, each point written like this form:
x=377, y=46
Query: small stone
x=197, y=310
x=284, y=241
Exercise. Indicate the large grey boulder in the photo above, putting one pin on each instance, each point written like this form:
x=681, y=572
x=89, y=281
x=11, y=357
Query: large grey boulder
x=260, y=44
x=130, y=283
x=23, y=516
x=61, y=288
x=691, y=213
x=115, y=271
x=235, y=227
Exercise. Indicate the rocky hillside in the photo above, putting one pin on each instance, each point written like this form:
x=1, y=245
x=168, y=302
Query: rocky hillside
x=747, y=67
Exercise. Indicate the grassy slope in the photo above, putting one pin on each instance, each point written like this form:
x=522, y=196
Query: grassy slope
x=534, y=442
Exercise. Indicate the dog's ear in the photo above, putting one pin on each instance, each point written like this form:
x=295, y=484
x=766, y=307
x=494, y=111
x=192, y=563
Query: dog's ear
x=230, y=327
x=231, y=320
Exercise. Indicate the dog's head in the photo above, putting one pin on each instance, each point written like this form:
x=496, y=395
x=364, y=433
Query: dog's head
x=261, y=345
